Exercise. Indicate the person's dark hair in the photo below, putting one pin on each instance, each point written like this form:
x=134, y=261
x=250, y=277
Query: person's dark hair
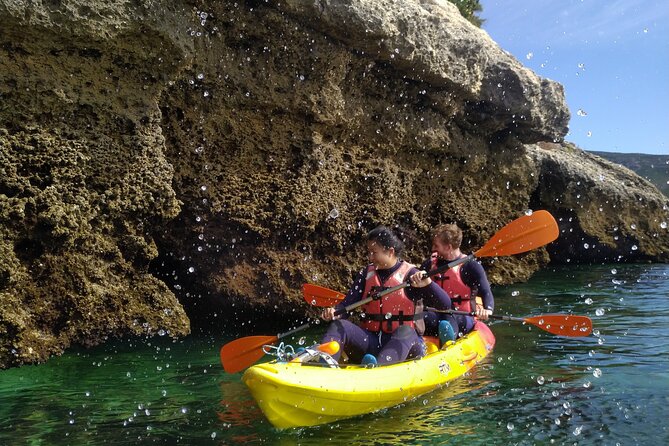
x=450, y=234
x=386, y=238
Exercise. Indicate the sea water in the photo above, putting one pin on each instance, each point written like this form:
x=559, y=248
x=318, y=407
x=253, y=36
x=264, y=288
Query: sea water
x=611, y=388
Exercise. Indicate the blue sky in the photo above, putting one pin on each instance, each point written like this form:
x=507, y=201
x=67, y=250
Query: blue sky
x=612, y=56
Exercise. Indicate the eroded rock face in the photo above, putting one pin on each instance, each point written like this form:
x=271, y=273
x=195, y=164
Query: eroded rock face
x=217, y=155
x=606, y=212
x=83, y=177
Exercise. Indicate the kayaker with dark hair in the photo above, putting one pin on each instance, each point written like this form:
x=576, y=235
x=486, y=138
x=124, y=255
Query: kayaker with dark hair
x=389, y=327
x=466, y=284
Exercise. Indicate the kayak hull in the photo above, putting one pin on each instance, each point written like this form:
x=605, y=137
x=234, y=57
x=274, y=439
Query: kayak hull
x=295, y=395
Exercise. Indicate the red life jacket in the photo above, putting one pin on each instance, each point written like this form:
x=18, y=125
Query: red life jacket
x=393, y=309
x=452, y=283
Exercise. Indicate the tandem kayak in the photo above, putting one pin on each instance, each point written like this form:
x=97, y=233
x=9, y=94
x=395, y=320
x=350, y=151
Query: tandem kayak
x=293, y=394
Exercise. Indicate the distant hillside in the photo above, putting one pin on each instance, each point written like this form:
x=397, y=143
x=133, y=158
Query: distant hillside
x=654, y=168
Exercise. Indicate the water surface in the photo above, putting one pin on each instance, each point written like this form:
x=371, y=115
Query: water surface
x=535, y=388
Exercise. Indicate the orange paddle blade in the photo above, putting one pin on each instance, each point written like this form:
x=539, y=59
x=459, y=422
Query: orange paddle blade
x=562, y=325
x=522, y=234
x=243, y=352
x=320, y=296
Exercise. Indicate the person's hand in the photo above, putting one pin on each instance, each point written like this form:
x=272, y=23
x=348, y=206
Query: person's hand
x=420, y=279
x=328, y=314
x=482, y=313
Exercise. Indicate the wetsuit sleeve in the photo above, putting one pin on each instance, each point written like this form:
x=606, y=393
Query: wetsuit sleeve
x=426, y=265
x=355, y=292
x=474, y=276
x=433, y=295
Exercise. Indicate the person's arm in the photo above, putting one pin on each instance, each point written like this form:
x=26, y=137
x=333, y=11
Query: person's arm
x=432, y=294
x=474, y=276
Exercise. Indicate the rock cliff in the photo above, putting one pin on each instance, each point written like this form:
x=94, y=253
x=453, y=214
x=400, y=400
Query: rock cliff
x=196, y=161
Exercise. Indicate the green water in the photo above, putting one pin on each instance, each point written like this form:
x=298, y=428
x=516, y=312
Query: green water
x=610, y=388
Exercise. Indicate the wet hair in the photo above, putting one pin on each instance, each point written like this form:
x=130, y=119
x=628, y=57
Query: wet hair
x=449, y=234
x=386, y=238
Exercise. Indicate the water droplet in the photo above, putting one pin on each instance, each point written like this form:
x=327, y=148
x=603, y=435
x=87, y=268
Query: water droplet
x=586, y=245
x=191, y=270
x=388, y=315
x=599, y=312
x=334, y=213
x=589, y=134
x=515, y=293
x=510, y=426
x=529, y=212
x=597, y=373
x=588, y=301
x=581, y=112
x=633, y=226
x=614, y=271
x=529, y=55
x=663, y=225
x=577, y=430
x=541, y=380
x=634, y=247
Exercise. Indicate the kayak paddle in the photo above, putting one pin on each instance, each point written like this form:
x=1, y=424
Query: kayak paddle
x=320, y=296
x=558, y=324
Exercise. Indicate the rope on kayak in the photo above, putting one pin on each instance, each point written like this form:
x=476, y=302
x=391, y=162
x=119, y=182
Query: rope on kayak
x=283, y=352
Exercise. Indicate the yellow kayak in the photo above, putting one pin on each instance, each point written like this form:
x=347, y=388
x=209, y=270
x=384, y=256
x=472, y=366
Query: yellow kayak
x=293, y=394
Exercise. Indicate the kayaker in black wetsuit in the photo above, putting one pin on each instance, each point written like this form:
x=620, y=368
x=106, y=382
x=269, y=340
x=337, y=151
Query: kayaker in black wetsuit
x=463, y=283
x=389, y=328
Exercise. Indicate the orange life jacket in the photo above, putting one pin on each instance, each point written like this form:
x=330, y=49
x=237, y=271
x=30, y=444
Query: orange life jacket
x=391, y=310
x=452, y=283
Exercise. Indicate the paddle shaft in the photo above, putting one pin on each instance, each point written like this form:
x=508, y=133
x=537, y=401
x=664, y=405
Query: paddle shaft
x=293, y=331
x=471, y=313
x=559, y=324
